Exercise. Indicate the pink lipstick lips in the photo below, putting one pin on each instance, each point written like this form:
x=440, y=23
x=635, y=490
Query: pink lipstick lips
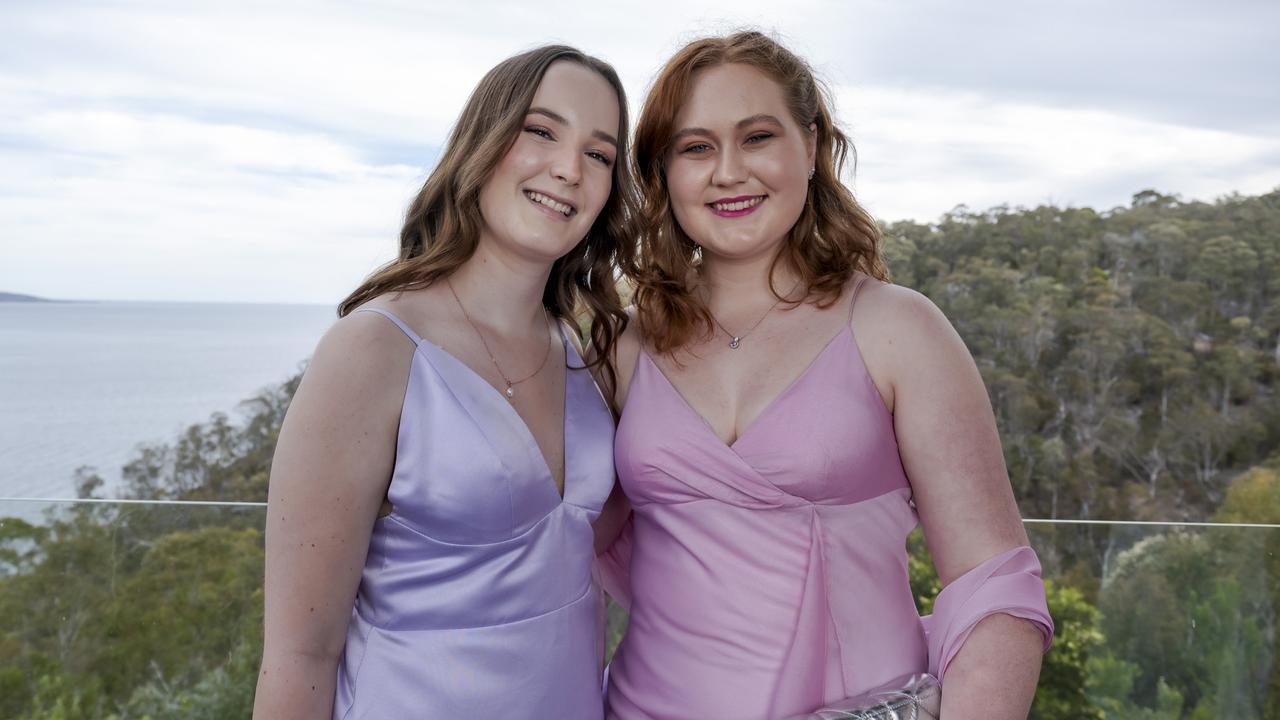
x=737, y=206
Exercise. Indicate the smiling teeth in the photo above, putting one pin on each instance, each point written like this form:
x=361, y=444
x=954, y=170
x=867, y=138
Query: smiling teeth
x=740, y=205
x=544, y=200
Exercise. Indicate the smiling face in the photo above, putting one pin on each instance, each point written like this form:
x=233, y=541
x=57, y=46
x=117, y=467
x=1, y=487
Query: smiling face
x=544, y=195
x=738, y=165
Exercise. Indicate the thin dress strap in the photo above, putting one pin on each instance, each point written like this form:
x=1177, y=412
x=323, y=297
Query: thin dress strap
x=404, y=327
x=852, y=300
x=570, y=345
x=561, y=325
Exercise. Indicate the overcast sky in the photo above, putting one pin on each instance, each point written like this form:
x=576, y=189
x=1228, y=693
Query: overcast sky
x=265, y=151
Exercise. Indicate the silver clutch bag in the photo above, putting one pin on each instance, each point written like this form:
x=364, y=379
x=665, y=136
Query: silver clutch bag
x=914, y=697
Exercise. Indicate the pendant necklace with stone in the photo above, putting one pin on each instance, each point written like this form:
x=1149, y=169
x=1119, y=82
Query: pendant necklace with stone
x=735, y=341
x=511, y=384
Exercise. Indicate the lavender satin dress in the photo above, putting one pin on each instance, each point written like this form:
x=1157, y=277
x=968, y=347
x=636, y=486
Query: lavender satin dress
x=768, y=578
x=476, y=599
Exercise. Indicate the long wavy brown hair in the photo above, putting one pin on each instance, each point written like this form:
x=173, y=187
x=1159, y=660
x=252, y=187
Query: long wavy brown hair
x=443, y=223
x=833, y=237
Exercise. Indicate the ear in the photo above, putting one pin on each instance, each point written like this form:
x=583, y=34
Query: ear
x=811, y=143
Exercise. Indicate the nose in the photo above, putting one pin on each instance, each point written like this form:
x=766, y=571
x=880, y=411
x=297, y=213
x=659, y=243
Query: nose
x=730, y=168
x=566, y=166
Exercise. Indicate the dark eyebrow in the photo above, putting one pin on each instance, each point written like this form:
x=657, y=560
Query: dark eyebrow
x=684, y=132
x=557, y=117
x=759, y=118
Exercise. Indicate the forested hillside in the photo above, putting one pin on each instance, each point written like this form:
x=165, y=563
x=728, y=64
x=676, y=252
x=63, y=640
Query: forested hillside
x=1132, y=358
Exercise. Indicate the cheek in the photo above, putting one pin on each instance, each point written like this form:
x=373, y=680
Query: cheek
x=517, y=164
x=503, y=177
x=783, y=174
x=519, y=160
x=600, y=189
x=683, y=185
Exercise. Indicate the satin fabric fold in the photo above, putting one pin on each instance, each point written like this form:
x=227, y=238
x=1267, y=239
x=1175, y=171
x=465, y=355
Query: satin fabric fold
x=1008, y=583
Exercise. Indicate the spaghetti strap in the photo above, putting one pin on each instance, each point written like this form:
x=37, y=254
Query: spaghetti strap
x=854, y=299
x=561, y=327
x=404, y=327
x=569, y=344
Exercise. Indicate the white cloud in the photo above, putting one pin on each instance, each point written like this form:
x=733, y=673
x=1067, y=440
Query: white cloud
x=140, y=206
x=172, y=142
x=266, y=151
x=921, y=153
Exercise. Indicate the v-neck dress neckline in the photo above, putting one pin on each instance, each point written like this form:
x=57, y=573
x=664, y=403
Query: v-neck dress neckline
x=498, y=402
x=481, y=572
x=778, y=399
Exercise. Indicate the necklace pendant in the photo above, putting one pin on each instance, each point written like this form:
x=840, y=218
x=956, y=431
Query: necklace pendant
x=734, y=343
x=511, y=392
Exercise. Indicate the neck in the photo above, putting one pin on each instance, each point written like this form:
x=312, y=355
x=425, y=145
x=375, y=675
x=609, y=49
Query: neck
x=744, y=283
x=504, y=294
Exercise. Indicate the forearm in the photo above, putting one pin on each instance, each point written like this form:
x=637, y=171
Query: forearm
x=993, y=677
x=295, y=685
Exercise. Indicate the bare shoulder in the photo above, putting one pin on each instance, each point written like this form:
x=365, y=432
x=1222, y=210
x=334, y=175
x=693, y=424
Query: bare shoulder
x=363, y=343
x=900, y=332
x=626, y=352
x=625, y=347
x=629, y=342
x=363, y=357
x=884, y=306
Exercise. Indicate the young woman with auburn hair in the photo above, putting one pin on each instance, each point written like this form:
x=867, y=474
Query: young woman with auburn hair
x=429, y=532
x=788, y=416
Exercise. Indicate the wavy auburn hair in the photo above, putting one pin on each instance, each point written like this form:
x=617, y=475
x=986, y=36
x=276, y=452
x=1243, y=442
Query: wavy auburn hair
x=443, y=223
x=831, y=239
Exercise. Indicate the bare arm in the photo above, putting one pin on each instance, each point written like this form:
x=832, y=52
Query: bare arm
x=950, y=449
x=330, y=473
x=995, y=673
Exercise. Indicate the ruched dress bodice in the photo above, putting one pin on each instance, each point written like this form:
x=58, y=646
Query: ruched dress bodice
x=476, y=598
x=767, y=577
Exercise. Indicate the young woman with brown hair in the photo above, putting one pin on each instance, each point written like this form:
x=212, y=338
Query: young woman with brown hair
x=429, y=531
x=788, y=416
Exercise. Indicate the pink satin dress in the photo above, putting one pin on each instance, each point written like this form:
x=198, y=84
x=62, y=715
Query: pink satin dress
x=769, y=577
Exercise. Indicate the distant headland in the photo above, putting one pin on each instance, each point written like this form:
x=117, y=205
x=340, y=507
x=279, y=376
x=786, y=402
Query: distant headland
x=20, y=298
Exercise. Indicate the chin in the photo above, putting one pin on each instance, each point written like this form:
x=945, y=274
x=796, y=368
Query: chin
x=544, y=248
x=739, y=247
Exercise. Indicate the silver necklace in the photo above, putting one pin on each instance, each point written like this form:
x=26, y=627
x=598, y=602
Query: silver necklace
x=735, y=341
x=511, y=389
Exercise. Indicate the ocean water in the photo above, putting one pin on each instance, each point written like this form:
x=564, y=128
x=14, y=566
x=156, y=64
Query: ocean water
x=85, y=383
